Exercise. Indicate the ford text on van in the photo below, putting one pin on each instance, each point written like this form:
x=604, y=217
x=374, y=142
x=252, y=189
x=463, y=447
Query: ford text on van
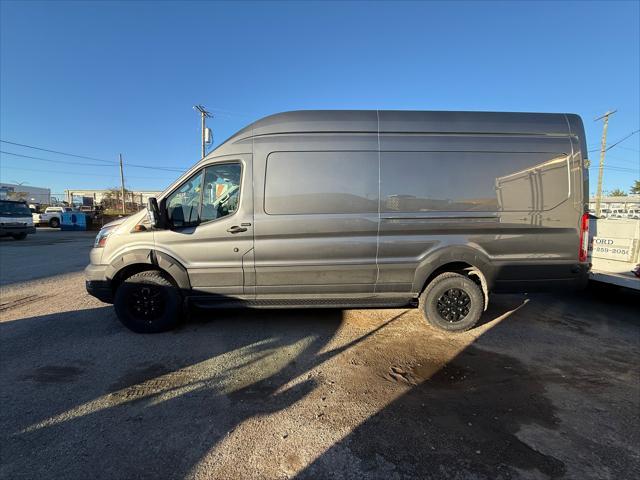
x=358, y=209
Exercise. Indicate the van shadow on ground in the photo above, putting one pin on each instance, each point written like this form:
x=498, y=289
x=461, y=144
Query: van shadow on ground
x=460, y=423
x=467, y=419
x=84, y=398
x=88, y=399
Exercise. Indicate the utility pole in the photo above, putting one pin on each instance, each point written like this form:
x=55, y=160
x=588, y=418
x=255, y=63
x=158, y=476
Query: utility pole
x=203, y=116
x=122, y=186
x=603, y=149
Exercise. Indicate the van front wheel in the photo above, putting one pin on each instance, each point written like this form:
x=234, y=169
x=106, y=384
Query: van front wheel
x=452, y=302
x=148, y=302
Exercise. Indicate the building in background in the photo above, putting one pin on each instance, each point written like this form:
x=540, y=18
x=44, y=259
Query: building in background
x=625, y=203
x=109, y=198
x=27, y=193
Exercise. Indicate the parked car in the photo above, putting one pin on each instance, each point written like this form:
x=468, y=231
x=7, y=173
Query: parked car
x=633, y=213
x=15, y=220
x=617, y=214
x=358, y=209
x=51, y=217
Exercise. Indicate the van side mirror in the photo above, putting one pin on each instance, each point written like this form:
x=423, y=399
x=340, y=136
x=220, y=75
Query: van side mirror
x=157, y=217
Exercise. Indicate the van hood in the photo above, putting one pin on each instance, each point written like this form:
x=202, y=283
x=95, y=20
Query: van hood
x=116, y=222
x=133, y=218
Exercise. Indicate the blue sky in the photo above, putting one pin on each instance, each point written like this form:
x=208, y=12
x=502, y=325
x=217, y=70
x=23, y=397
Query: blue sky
x=102, y=78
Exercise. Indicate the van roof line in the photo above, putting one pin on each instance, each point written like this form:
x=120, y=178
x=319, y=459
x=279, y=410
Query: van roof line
x=406, y=122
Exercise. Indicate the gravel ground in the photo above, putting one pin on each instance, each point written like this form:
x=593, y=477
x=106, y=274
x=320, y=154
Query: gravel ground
x=547, y=387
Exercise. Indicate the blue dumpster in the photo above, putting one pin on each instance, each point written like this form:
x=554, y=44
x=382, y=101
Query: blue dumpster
x=73, y=221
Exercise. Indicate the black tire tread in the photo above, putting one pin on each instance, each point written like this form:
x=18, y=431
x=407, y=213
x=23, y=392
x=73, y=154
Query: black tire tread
x=435, y=283
x=154, y=275
x=172, y=319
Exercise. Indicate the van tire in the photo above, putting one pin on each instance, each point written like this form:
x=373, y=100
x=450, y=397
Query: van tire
x=54, y=223
x=138, y=296
x=452, y=302
x=19, y=236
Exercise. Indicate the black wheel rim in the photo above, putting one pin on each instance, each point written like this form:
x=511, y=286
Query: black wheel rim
x=453, y=305
x=146, y=302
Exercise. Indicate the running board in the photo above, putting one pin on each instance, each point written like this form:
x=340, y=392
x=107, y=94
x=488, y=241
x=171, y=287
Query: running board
x=217, y=301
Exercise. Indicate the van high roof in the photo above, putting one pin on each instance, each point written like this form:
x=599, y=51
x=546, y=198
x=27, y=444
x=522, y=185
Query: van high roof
x=401, y=121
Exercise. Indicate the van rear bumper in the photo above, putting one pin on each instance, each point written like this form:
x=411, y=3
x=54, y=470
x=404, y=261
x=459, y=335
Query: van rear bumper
x=541, y=277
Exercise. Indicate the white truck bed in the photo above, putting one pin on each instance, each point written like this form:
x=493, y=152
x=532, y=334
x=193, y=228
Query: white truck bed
x=614, y=251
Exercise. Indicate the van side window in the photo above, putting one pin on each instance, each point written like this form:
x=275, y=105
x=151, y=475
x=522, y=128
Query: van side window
x=472, y=181
x=221, y=190
x=321, y=182
x=183, y=205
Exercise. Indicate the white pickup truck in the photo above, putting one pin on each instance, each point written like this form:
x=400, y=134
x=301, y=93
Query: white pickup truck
x=52, y=216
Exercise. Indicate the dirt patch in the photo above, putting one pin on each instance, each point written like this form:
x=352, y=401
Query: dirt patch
x=461, y=422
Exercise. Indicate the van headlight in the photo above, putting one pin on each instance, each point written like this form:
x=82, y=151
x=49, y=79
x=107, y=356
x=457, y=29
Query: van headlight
x=101, y=238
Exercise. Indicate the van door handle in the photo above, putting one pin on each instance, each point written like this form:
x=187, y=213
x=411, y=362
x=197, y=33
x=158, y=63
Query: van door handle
x=236, y=229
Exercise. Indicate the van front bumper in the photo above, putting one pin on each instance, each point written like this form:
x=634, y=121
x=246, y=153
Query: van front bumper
x=97, y=284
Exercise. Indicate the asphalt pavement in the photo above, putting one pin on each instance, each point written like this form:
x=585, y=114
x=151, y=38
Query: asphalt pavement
x=546, y=387
x=46, y=253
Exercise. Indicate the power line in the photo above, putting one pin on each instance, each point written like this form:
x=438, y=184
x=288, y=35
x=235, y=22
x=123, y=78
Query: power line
x=168, y=169
x=625, y=166
x=616, y=143
x=55, y=161
x=84, y=174
x=629, y=148
x=59, y=153
x=635, y=161
x=622, y=139
x=617, y=169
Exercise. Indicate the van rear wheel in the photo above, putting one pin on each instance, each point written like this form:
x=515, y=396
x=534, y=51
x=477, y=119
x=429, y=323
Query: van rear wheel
x=452, y=302
x=54, y=223
x=148, y=302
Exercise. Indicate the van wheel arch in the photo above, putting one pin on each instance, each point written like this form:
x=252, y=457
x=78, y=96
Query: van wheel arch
x=137, y=261
x=133, y=269
x=463, y=268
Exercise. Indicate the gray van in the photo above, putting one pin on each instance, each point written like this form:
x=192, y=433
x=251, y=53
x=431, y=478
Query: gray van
x=358, y=209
